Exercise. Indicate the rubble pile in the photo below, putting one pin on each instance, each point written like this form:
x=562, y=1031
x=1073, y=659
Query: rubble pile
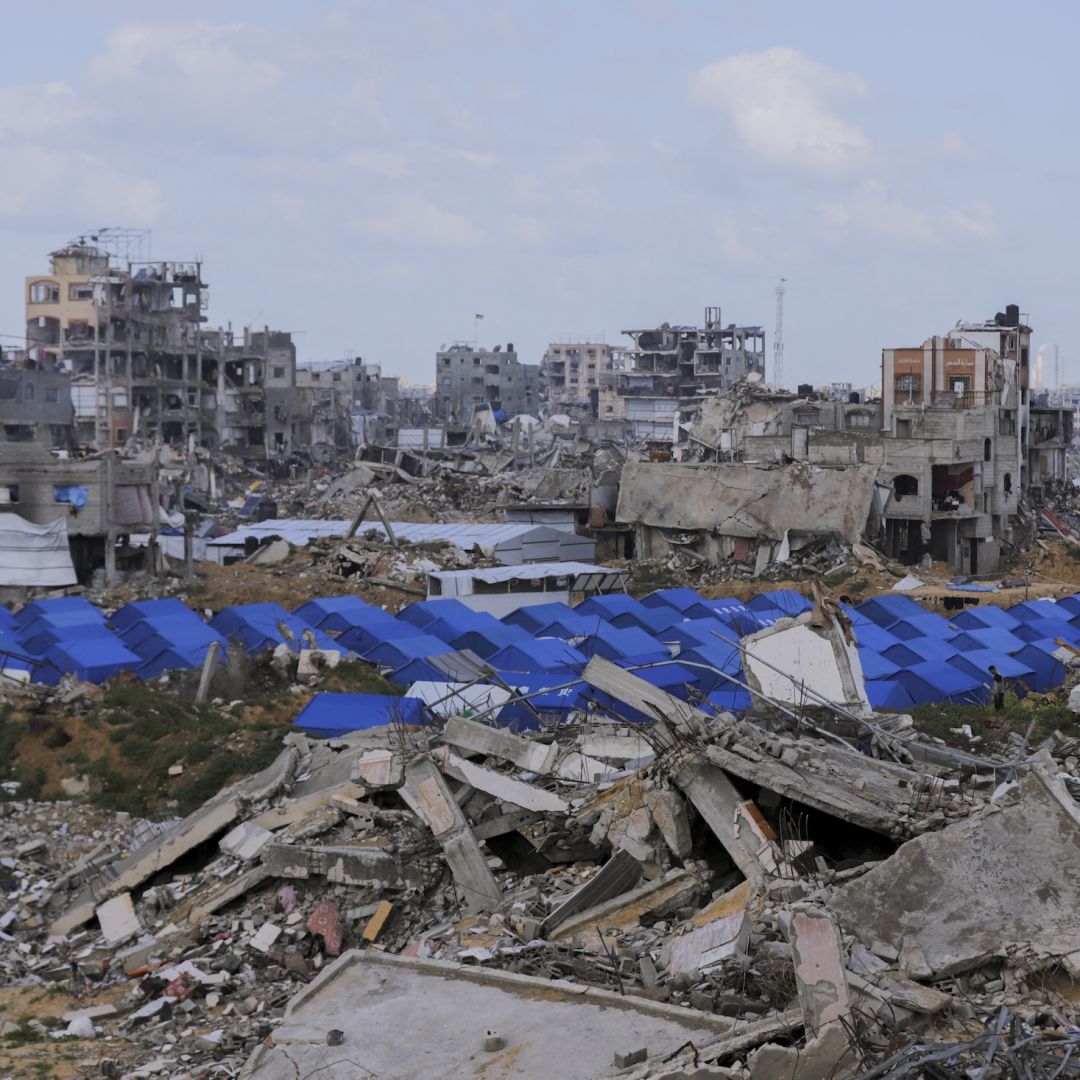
x=759, y=898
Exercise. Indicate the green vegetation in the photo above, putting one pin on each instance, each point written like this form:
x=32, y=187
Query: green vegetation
x=939, y=720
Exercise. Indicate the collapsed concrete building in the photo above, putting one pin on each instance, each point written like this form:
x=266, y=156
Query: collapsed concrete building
x=673, y=366
x=468, y=378
x=576, y=372
x=96, y=502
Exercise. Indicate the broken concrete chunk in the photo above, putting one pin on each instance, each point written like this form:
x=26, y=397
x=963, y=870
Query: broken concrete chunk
x=245, y=841
x=118, y=919
x=819, y=969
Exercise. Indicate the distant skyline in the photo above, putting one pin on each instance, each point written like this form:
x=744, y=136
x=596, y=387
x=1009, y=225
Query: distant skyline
x=371, y=175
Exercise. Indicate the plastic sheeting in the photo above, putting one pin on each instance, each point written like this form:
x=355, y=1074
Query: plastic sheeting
x=34, y=556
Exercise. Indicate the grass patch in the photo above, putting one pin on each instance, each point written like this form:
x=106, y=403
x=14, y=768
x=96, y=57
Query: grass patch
x=939, y=720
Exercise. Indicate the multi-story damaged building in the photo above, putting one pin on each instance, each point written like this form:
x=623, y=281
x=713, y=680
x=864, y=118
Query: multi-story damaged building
x=575, y=372
x=468, y=378
x=671, y=367
x=352, y=402
x=130, y=337
x=35, y=407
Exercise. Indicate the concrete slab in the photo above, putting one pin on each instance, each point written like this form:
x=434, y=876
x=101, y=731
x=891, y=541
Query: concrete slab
x=118, y=919
x=245, y=841
x=956, y=897
x=547, y=1028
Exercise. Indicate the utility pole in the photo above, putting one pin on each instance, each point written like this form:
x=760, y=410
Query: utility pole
x=778, y=337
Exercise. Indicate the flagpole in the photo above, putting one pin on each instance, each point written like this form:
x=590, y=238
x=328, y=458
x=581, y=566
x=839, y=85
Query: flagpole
x=476, y=332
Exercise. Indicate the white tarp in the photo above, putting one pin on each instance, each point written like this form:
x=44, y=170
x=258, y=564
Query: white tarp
x=34, y=555
x=447, y=699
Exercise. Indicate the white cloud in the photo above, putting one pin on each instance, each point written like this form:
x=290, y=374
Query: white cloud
x=417, y=222
x=780, y=104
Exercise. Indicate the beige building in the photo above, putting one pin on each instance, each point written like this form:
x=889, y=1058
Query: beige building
x=130, y=337
x=573, y=373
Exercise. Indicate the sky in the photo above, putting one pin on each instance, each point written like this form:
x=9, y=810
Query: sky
x=371, y=175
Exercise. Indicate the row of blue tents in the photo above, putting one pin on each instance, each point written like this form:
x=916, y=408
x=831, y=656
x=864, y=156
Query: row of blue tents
x=675, y=638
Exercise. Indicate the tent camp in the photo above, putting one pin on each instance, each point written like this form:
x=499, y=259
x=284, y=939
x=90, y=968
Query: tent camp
x=329, y=715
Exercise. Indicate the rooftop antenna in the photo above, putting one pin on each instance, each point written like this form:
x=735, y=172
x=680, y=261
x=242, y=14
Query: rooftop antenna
x=778, y=337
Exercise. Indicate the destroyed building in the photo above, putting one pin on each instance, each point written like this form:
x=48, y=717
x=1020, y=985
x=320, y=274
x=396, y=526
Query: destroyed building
x=129, y=334
x=468, y=377
x=671, y=367
x=94, y=502
x=352, y=403
x=575, y=372
x=35, y=407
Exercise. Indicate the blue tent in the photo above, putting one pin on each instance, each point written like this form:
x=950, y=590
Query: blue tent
x=907, y=654
x=655, y=621
x=888, y=695
x=337, y=613
x=609, y=605
x=424, y=612
x=887, y=609
x=721, y=607
x=534, y=617
x=61, y=622
x=857, y=617
x=568, y=626
x=70, y=606
x=731, y=698
x=629, y=644
x=93, y=659
x=982, y=618
x=707, y=661
x=330, y=715
x=1039, y=656
x=170, y=658
x=39, y=638
x=1000, y=641
x=259, y=626
x=174, y=629
x=931, y=681
x=188, y=641
x=1037, y=610
x=455, y=624
x=1042, y=629
x=398, y=652
x=876, y=666
x=140, y=610
x=678, y=599
x=374, y=632
x=977, y=664
x=695, y=632
x=786, y=601
x=549, y=695
x=922, y=626
x=670, y=678
x=542, y=654
x=486, y=642
x=871, y=636
x=1070, y=605
x=7, y=620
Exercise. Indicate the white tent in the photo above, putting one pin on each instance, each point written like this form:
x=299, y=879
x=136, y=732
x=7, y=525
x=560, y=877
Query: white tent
x=34, y=555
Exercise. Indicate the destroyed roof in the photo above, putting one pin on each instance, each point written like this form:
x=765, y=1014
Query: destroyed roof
x=748, y=500
x=331, y=715
x=537, y=541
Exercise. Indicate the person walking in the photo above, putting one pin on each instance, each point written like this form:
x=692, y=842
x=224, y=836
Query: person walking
x=999, y=689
